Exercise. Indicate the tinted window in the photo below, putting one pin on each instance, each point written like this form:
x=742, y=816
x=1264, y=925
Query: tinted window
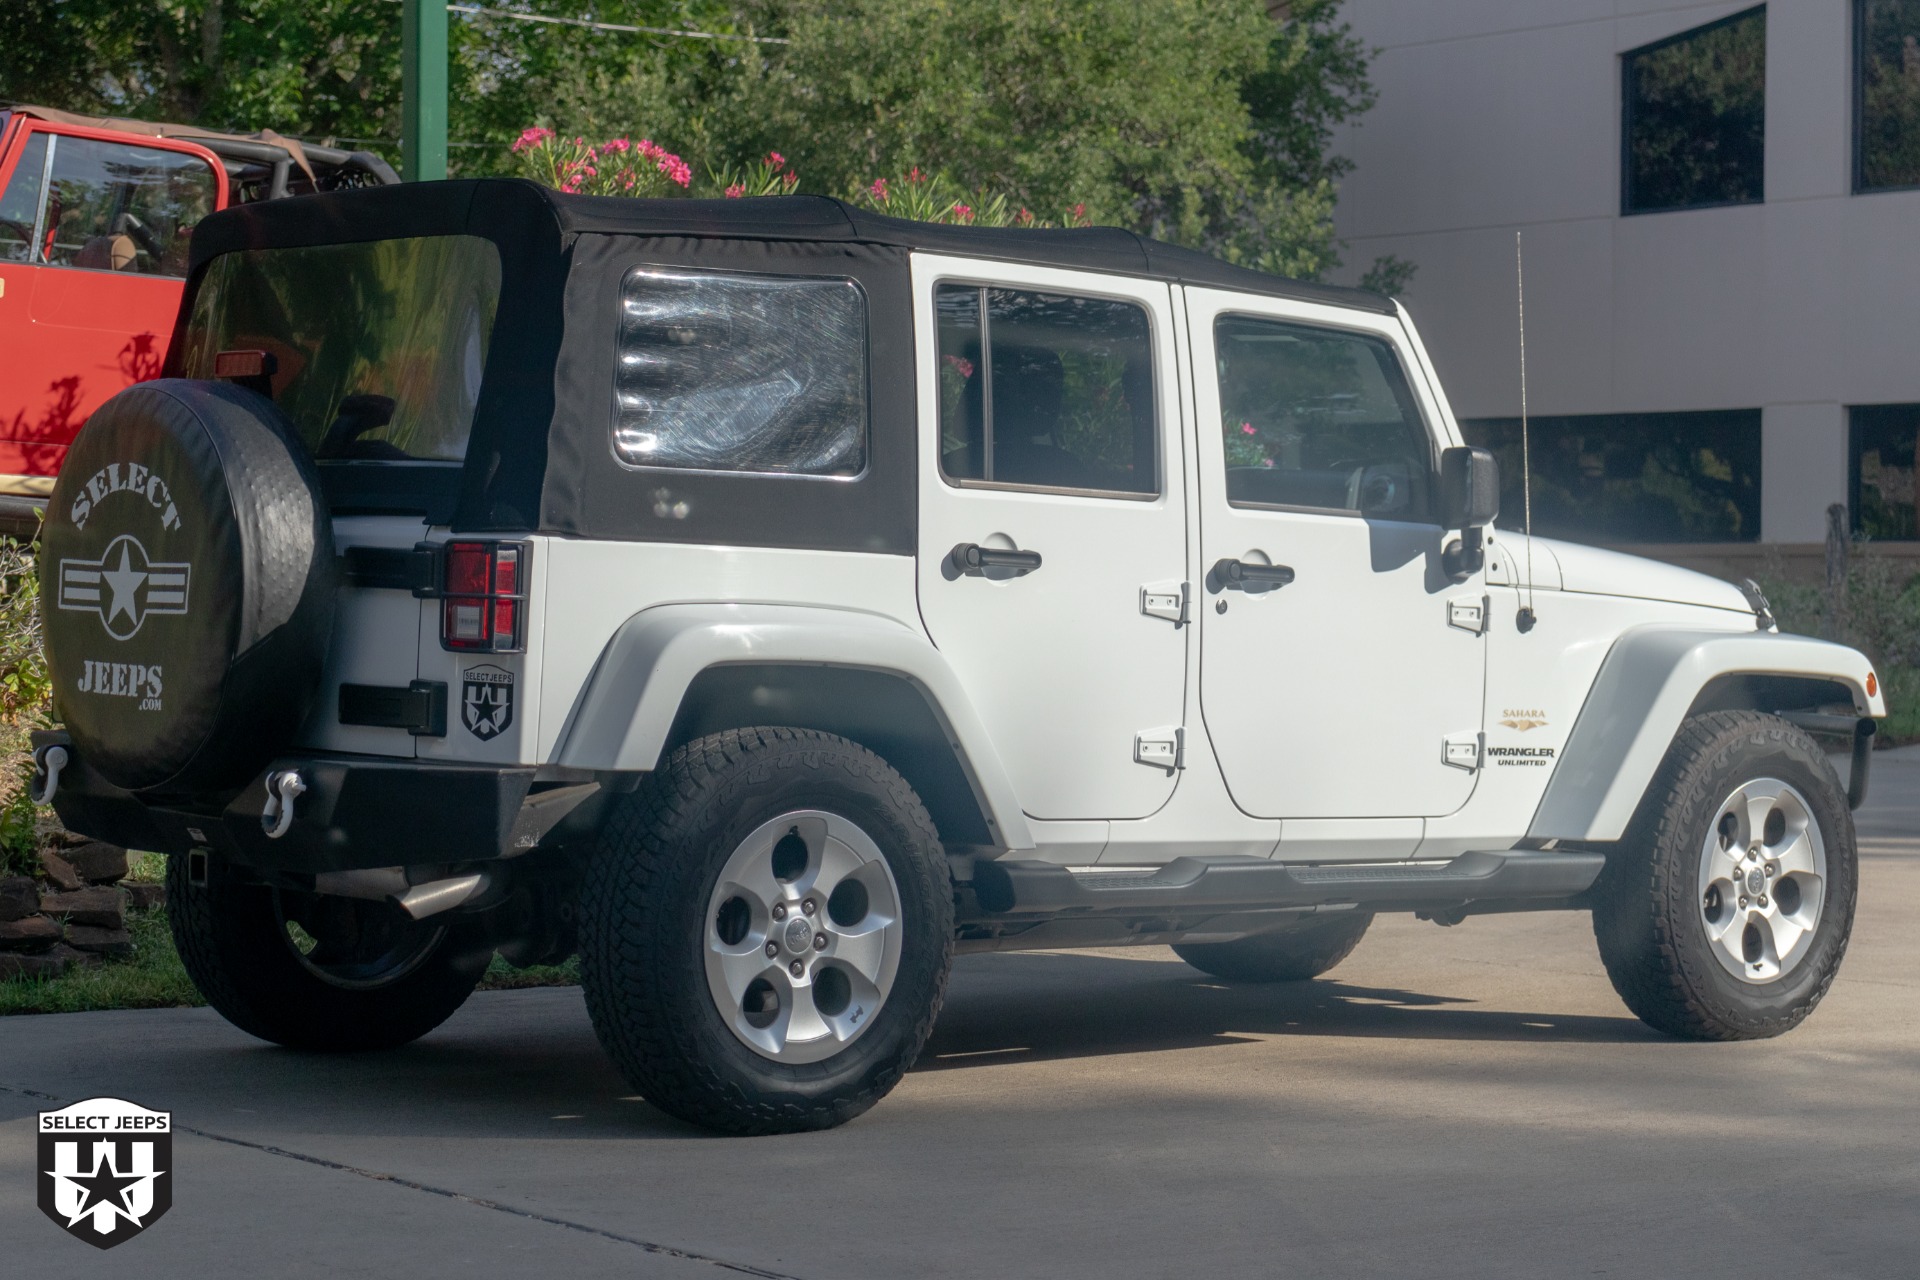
x=1319, y=418
x=20, y=202
x=1045, y=389
x=1634, y=477
x=115, y=207
x=380, y=345
x=741, y=373
x=1696, y=115
x=1887, y=95
x=1884, y=501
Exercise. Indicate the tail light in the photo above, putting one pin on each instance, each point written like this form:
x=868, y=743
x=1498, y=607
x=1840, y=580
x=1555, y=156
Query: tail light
x=483, y=589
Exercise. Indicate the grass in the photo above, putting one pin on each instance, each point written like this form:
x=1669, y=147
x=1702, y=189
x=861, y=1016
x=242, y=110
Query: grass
x=153, y=977
x=1902, y=724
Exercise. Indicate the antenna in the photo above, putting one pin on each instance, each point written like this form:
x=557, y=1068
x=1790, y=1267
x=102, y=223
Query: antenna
x=1526, y=617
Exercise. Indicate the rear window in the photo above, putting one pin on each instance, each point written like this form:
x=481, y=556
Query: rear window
x=762, y=374
x=379, y=346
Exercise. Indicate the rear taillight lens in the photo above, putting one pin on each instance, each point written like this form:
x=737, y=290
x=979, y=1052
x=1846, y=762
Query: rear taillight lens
x=483, y=605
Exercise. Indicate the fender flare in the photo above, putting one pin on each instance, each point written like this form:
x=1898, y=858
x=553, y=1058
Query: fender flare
x=1643, y=691
x=621, y=719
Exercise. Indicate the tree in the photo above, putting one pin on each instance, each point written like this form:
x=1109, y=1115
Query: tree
x=1205, y=122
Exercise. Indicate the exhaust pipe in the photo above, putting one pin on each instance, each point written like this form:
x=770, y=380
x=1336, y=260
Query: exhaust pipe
x=390, y=884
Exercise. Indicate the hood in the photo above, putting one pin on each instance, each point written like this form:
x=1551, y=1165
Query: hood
x=1611, y=573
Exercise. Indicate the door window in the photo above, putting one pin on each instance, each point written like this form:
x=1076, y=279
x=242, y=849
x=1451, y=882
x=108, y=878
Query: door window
x=1046, y=390
x=116, y=207
x=1321, y=419
x=20, y=202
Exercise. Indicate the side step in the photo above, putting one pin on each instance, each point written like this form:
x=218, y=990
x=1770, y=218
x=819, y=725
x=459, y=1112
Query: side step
x=1242, y=883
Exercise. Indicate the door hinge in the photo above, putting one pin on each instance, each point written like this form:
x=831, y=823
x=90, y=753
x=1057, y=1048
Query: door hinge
x=1166, y=600
x=1463, y=750
x=1469, y=613
x=1161, y=748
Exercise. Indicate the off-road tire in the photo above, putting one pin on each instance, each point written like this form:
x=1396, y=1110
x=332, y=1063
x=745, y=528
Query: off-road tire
x=1647, y=910
x=1296, y=954
x=233, y=942
x=643, y=918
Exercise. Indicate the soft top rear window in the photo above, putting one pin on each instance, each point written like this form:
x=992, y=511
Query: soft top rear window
x=379, y=345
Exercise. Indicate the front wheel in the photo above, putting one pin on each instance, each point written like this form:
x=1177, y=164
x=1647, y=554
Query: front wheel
x=1726, y=909
x=319, y=972
x=766, y=929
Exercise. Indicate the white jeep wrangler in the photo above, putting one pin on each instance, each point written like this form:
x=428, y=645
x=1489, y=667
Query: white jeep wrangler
x=768, y=600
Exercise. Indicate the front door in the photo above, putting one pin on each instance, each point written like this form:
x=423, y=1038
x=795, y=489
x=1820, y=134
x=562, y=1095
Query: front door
x=1053, y=540
x=1341, y=668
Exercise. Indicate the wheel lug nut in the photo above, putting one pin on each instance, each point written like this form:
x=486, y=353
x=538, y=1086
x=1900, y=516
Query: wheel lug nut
x=773, y=949
x=1743, y=902
x=1763, y=899
x=807, y=906
x=779, y=911
x=796, y=968
x=819, y=942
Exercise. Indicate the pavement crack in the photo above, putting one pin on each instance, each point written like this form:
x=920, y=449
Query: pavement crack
x=374, y=1175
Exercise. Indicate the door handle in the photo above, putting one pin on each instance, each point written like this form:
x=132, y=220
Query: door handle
x=1238, y=573
x=971, y=557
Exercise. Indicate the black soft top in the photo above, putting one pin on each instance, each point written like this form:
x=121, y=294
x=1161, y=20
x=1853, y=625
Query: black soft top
x=541, y=458
x=480, y=206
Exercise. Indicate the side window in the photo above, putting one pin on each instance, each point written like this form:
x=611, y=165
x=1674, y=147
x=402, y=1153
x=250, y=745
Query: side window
x=117, y=207
x=1046, y=389
x=1319, y=418
x=741, y=373
x=20, y=202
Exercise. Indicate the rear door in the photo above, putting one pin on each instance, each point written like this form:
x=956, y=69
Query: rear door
x=94, y=228
x=1050, y=430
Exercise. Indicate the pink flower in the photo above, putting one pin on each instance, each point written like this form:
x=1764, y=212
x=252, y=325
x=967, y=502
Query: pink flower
x=614, y=146
x=1080, y=211
x=960, y=364
x=737, y=190
x=878, y=190
x=789, y=180
x=1246, y=429
x=775, y=160
x=914, y=175
x=531, y=138
x=963, y=212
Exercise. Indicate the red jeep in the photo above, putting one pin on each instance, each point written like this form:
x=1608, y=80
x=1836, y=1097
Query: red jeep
x=94, y=220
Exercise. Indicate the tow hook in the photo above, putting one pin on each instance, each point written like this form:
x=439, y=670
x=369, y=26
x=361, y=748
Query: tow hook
x=48, y=761
x=283, y=788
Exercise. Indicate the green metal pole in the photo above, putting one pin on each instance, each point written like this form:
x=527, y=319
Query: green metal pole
x=423, y=90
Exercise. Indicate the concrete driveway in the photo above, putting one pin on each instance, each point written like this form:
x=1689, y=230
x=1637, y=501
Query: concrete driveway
x=1467, y=1102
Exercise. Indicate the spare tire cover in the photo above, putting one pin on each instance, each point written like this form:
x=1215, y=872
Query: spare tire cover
x=186, y=569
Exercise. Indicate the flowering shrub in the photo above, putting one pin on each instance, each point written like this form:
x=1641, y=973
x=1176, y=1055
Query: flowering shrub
x=620, y=167
x=768, y=177
x=616, y=167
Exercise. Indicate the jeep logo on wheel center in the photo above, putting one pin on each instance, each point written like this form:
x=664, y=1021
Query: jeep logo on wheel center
x=124, y=587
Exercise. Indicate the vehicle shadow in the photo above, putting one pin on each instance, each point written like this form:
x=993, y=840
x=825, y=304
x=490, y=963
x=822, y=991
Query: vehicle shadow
x=1040, y=1006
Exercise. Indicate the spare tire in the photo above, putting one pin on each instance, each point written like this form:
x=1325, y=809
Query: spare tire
x=186, y=571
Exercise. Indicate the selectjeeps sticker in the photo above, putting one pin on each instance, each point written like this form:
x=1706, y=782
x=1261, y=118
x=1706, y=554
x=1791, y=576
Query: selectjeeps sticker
x=486, y=701
x=124, y=587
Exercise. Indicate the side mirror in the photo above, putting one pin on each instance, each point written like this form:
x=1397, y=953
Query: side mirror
x=1469, y=500
x=1469, y=487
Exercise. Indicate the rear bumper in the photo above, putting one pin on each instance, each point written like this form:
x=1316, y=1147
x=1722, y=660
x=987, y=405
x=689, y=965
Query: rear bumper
x=356, y=812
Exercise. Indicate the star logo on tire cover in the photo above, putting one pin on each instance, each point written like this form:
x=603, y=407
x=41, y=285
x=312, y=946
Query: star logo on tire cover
x=124, y=587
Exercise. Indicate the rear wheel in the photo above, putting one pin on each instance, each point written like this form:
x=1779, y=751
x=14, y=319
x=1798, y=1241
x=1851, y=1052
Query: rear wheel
x=320, y=972
x=1295, y=954
x=1725, y=911
x=766, y=930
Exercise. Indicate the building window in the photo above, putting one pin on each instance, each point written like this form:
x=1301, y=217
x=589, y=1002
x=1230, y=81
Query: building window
x=1633, y=477
x=1694, y=125
x=1880, y=471
x=1886, y=95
